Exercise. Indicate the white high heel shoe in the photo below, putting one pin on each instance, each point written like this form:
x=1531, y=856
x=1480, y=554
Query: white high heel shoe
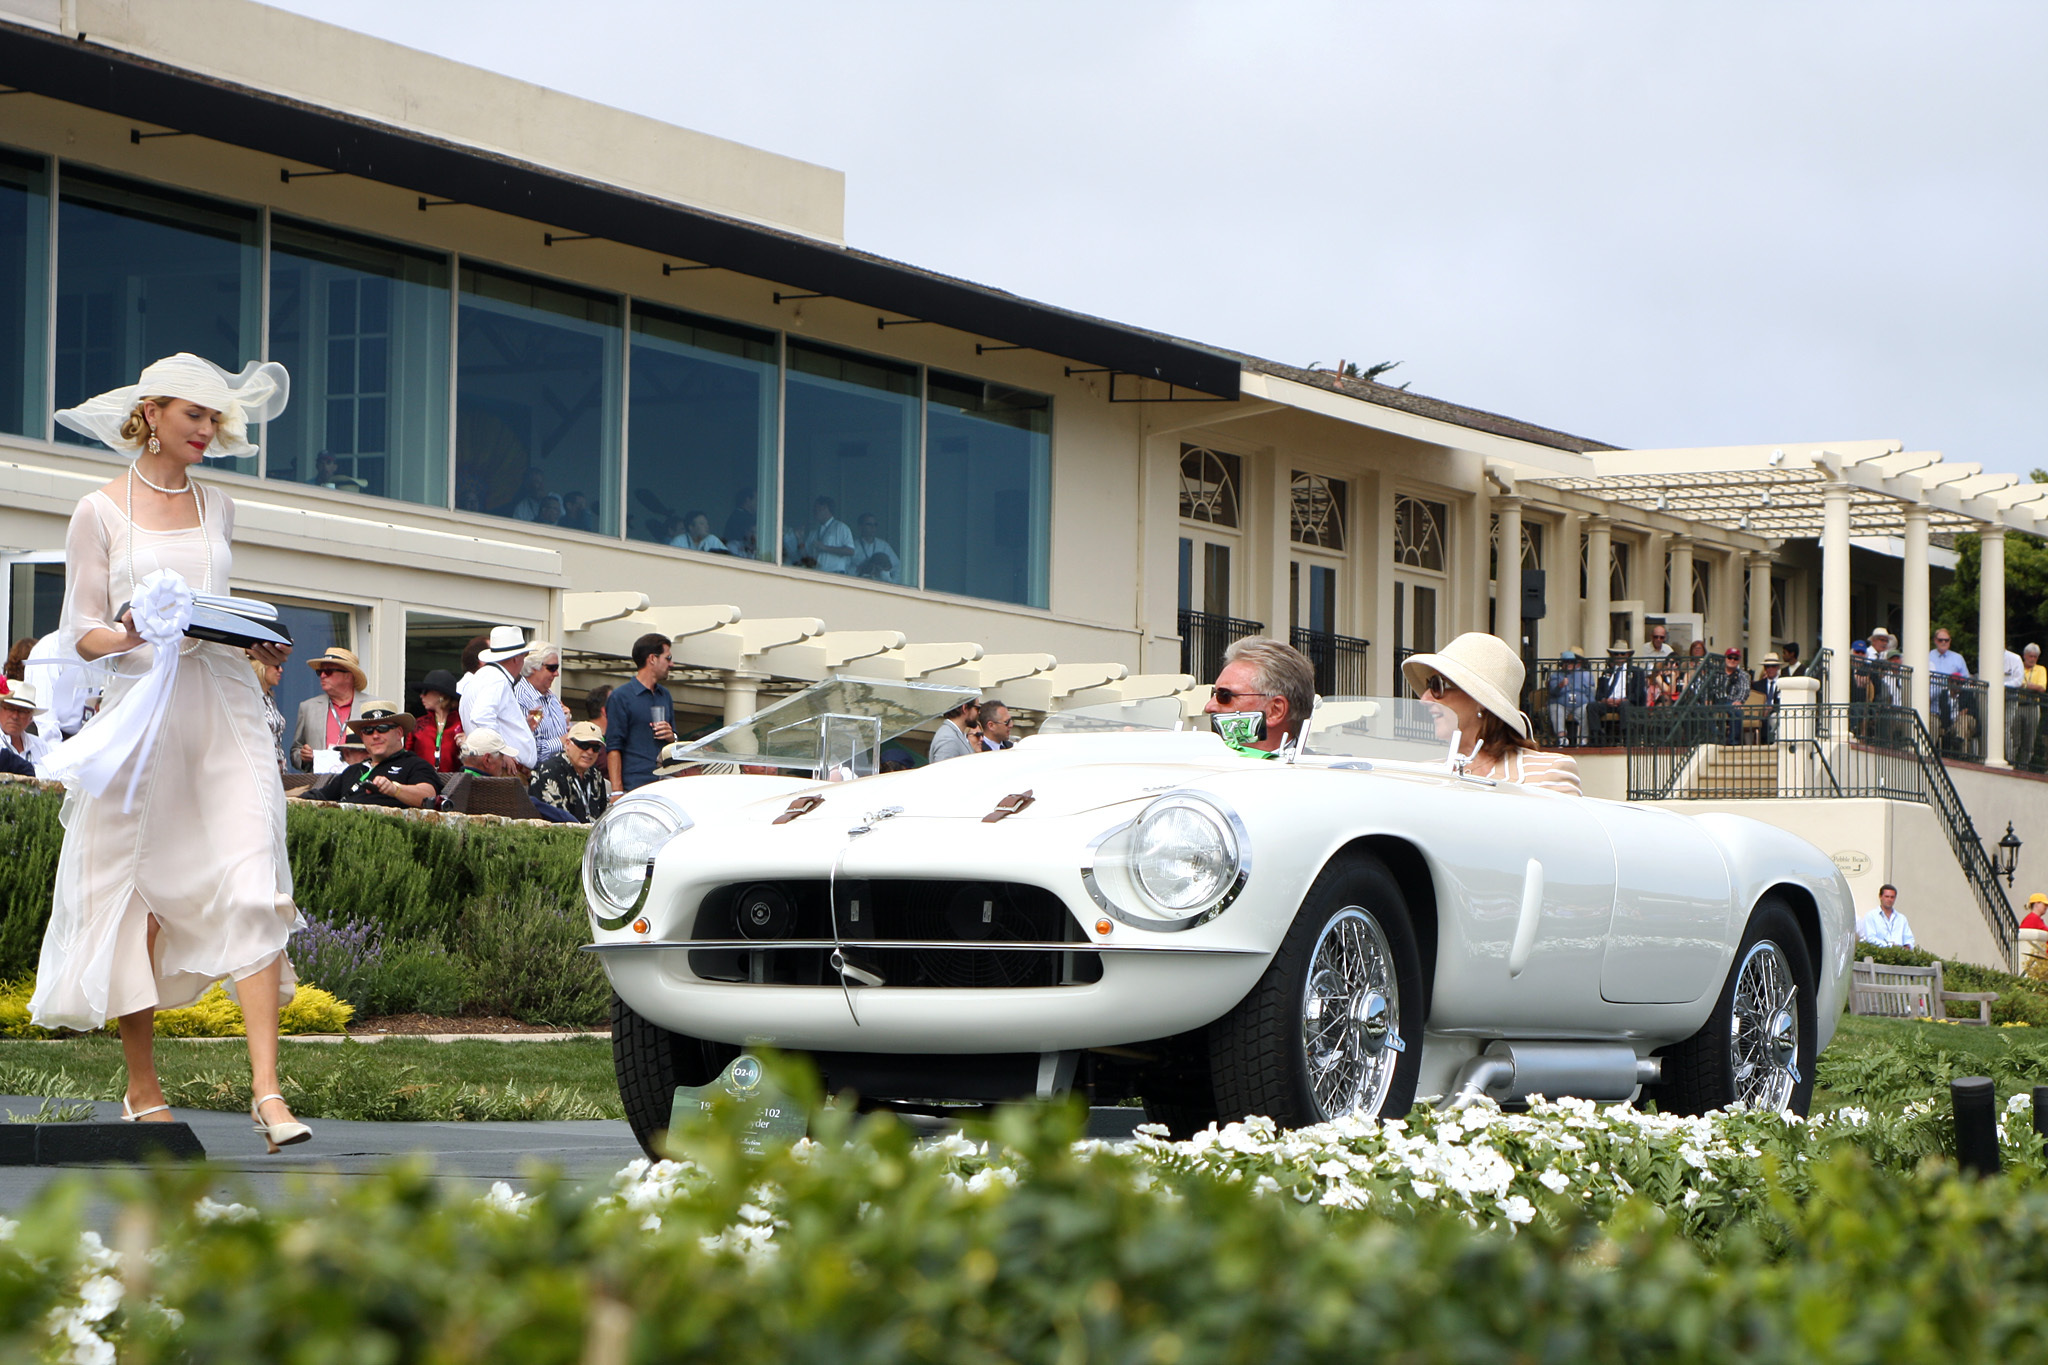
x=277, y=1134
x=131, y=1116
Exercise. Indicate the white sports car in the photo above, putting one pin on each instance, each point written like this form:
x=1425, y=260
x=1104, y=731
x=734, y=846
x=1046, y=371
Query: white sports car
x=1135, y=910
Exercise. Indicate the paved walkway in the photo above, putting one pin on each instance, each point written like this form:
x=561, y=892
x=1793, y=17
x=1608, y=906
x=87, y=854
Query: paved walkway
x=461, y=1154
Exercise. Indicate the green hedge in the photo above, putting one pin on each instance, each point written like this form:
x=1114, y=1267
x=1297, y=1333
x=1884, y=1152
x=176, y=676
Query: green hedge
x=2021, y=999
x=862, y=1248
x=500, y=903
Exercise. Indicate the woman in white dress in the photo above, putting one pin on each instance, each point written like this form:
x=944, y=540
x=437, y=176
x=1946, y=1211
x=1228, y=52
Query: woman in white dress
x=1472, y=685
x=175, y=875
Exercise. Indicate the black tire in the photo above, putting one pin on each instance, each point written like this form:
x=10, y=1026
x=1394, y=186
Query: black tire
x=1707, y=1071
x=651, y=1062
x=1259, y=1060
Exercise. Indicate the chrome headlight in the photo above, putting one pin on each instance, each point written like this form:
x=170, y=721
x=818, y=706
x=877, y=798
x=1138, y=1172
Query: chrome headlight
x=620, y=857
x=1183, y=854
x=1180, y=863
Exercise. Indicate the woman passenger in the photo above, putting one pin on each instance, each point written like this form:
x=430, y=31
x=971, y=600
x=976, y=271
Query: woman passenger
x=1470, y=686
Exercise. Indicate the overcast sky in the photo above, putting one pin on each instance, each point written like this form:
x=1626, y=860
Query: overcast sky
x=1651, y=224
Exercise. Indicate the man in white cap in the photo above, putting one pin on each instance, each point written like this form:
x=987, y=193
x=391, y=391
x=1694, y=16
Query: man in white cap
x=486, y=754
x=490, y=702
x=18, y=710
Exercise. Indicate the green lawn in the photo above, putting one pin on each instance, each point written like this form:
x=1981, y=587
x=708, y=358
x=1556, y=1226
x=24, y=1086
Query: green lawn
x=391, y=1080
x=1870, y=1062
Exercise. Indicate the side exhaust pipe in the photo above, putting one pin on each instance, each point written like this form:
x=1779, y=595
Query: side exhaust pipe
x=1509, y=1070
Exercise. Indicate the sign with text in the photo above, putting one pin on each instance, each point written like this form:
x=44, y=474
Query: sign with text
x=773, y=1117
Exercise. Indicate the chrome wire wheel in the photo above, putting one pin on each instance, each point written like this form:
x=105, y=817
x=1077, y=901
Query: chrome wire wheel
x=1351, y=1015
x=1763, y=1028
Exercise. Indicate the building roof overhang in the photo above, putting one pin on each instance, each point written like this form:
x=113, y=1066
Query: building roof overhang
x=96, y=77
x=1779, y=492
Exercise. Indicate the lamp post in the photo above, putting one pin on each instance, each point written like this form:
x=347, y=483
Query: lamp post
x=2006, y=860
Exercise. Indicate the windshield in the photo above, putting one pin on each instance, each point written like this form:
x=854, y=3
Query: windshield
x=836, y=725
x=1376, y=727
x=1154, y=713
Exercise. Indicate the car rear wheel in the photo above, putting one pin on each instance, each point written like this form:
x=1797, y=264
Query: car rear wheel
x=1757, y=1047
x=1334, y=1026
x=651, y=1062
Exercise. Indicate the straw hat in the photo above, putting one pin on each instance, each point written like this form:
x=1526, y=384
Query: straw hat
x=337, y=657
x=257, y=394
x=379, y=713
x=1620, y=647
x=1484, y=666
x=22, y=697
x=1773, y=661
x=507, y=642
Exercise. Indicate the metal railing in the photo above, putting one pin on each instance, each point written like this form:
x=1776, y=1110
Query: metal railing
x=1204, y=636
x=1819, y=752
x=1955, y=714
x=1339, y=661
x=1567, y=699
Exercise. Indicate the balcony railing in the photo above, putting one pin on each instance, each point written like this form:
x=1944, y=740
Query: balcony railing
x=1571, y=702
x=1203, y=638
x=1339, y=661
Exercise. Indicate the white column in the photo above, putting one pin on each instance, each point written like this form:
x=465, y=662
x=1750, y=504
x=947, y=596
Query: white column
x=1599, y=580
x=1991, y=643
x=1759, y=643
x=1916, y=635
x=1679, y=599
x=1834, y=590
x=1562, y=605
x=742, y=693
x=1507, y=569
x=1471, y=606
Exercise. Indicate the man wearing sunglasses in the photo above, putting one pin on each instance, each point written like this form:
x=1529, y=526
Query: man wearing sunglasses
x=1268, y=680
x=570, y=782
x=391, y=774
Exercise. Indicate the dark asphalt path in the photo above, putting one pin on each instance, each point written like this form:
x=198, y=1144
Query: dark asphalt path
x=468, y=1155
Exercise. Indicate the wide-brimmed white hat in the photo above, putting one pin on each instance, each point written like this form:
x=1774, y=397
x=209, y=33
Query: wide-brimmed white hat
x=1484, y=666
x=21, y=696
x=506, y=642
x=483, y=740
x=257, y=394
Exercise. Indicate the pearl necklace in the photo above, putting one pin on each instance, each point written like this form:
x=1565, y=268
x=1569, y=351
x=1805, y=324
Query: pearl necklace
x=170, y=492
x=205, y=541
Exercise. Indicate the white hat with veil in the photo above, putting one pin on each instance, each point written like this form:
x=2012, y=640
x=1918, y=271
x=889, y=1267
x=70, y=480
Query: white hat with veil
x=257, y=394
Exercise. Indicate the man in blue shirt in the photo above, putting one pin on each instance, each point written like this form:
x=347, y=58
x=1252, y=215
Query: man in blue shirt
x=639, y=717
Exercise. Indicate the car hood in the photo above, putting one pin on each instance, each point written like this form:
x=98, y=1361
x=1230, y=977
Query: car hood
x=1065, y=775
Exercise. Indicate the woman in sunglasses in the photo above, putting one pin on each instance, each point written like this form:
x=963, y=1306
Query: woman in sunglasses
x=1471, y=686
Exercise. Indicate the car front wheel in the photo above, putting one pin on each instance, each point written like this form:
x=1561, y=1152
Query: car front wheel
x=1334, y=1026
x=1757, y=1047
x=651, y=1062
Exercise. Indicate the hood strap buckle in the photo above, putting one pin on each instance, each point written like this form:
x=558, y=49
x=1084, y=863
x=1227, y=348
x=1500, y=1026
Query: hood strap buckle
x=1008, y=806
x=803, y=805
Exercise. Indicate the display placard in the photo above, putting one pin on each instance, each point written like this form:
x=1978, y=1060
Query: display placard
x=774, y=1119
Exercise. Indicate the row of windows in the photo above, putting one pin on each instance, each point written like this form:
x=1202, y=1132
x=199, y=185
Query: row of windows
x=444, y=381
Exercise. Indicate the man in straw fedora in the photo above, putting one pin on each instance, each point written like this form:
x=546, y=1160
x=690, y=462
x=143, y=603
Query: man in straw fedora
x=18, y=737
x=323, y=720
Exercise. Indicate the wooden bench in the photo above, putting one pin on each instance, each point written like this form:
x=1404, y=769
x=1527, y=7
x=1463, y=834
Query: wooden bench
x=1884, y=991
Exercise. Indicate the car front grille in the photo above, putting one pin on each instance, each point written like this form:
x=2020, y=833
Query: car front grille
x=952, y=931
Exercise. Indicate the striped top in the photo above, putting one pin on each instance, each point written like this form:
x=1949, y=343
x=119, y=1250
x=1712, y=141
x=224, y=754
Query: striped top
x=1535, y=768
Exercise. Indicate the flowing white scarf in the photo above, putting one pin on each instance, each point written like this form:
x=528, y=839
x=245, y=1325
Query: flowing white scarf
x=127, y=731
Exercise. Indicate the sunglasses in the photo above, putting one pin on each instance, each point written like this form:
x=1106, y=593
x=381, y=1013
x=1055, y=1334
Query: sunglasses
x=588, y=744
x=552, y=668
x=1438, y=686
x=383, y=729
x=1227, y=695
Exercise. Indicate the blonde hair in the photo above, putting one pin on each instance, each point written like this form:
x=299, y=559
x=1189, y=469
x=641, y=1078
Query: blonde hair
x=136, y=429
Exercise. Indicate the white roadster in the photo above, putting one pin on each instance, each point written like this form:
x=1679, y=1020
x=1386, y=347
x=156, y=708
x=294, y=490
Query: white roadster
x=1139, y=911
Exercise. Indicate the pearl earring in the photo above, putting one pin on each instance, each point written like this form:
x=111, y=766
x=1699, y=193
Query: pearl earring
x=155, y=446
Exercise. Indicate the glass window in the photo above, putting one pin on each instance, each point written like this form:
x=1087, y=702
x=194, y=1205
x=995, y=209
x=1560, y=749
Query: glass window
x=35, y=597
x=24, y=291
x=315, y=630
x=1209, y=482
x=1419, y=532
x=1318, y=512
x=435, y=641
x=701, y=443
x=988, y=490
x=143, y=273
x=363, y=328
x=850, y=452
x=537, y=401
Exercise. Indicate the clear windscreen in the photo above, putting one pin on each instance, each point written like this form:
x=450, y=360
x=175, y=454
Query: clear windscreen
x=836, y=725
x=1154, y=713
x=1376, y=727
